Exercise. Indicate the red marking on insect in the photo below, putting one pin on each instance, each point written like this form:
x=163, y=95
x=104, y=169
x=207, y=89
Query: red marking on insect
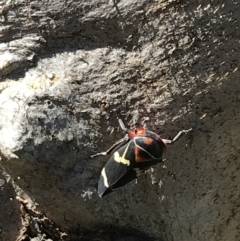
x=137, y=154
x=140, y=131
x=148, y=141
x=131, y=134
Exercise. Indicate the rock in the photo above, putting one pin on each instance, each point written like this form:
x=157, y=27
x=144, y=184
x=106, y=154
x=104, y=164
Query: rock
x=173, y=65
x=18, y=54
x=10, y=220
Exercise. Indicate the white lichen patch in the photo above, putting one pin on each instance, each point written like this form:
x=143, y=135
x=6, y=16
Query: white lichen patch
x=7, y=58
x=13, y=104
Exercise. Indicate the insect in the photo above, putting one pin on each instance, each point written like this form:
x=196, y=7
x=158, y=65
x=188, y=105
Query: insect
x=137, y=151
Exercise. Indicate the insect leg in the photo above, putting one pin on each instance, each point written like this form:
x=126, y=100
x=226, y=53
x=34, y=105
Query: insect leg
x=119, y=143
x=176, y=137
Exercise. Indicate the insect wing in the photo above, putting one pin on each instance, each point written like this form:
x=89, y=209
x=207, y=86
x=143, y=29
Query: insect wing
x=147, y=149
x=148, y=152
x=119, y=170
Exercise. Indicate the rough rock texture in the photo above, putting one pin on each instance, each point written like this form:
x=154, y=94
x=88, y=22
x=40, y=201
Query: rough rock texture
x=10, y=222
x=65, y=65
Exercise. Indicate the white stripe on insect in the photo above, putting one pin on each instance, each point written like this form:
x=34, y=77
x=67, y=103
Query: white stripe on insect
x=105, y=181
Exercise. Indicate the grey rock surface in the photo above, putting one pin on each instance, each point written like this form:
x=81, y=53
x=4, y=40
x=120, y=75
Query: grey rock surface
x=65, y=65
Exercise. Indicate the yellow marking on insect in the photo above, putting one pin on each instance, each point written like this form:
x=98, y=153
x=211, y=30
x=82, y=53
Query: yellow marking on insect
x=121, y=159
x=105, y=180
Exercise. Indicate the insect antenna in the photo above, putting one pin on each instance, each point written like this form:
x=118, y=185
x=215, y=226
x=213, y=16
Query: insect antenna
x=120, y=122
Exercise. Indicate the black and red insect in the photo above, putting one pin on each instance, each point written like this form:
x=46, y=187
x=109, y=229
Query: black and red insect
x=137, y=151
